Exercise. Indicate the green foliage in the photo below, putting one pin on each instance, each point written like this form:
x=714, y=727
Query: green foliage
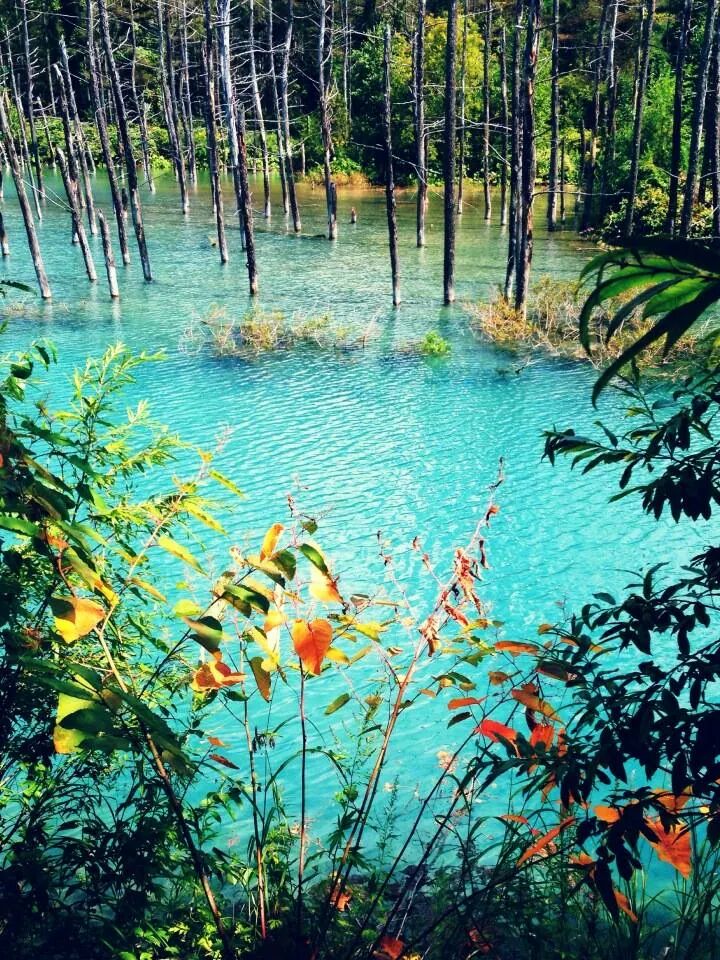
x=433, y=345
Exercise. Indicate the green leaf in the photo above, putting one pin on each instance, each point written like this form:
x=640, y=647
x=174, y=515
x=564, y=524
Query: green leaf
x=314, y=556
x=19, y=525
x=337, y=704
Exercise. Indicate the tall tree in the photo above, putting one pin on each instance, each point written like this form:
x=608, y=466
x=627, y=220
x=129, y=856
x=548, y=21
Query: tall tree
x=257, y=106
x=529, y=161
x=323, y=67
x=647, y=20
x=552, y=207
x=389, y=174
x=419, y=117
x=449, y=154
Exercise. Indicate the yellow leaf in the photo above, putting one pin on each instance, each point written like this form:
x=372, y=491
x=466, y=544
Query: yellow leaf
x=312, y=641
x=337, y=656
x=533, y=702
x=75, y=617
x=262, y=678
x=148, y=588
x=269, y=643
x=177, y=550
x=270, y=541
x=323, y=587
x=66, y=740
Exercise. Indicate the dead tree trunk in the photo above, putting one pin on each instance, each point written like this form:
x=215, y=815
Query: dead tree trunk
x=529, y=164
x=247, y=208
x=713, y=135
x=324, y=56
x=258, y=110
x=167, y=82
x=563, y=180
x=139, y=106
x=46, y=129
x=209, y=65
x=76, y=145
x=591, y=161
x=29, y=94
x=641, y=87
x=449, y=155
x=554, y=119
x=696, y=130
x=487, y=52
x=23, y=202
x=124, y=133
x=72, y=192
x=608, y=160
x=389, y=177
x=101, y=123
x=236, y=147
x=505, y=123
x=4, y=245
x=24, y=159
x=109, y=256
x=676, y=155
x=461, y=150
x=347, y=61
x=420, y=137
x=516, y=148
x=285, y=103
x=276, y=104
x=186, y=98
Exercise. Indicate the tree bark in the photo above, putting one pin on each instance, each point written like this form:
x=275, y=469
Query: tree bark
x=209, y=71
x=529, y=163
x=449, y=155
x=552, y=207
x=72, y=192
x=461, y=150
x=259, y=118
x=713, y=135
x=324, y=57
x=591, y=160
x=247, y=208
x=516, y=147
x=139, y=106
x=4, y=245
x=696, y=129
x=641, y=87
x=186, y=97
x=420, y=138
x=676, y=155
x=81, y=149
x=124, y=132
x=24, y=160
x=285, y=102
x=167, y=81
x=276, y=104
x=102, y=128
x=109, y=257
x=29, y=94
x=23, y=202
x=389, y=177
x=505, y=123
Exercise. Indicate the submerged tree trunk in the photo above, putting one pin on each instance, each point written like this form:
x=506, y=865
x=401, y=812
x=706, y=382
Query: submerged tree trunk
x=167, y=82
x=389, y=177
x=285, y=103
x=449, y=155
x=516, y=147
x=696, y=129
x=676, y=155
x=81, y=148
x=420, y=142
x=109, y=257
x=648, y=18
x=529, y=163
x=24, y=159
x=237, y=161
x=212, y=145
x=505, y=123
x=102, y=128
x=186, y=97
x=324, y=57
x=259, y=118
x=552, y=206
x=29, y=94
x=124, y=132
x=487, y=53
x=72, y=192
x=461, y=151
x=23, y=202
x=276, y=104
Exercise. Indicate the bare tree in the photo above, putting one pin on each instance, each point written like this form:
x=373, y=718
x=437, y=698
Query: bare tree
x=449, y=154
x=389, y=175
x=323, y=64
x=646, y=29
x=419, y=116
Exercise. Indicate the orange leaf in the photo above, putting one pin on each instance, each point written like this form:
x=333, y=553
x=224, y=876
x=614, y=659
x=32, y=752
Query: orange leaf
x=672, y=803
x=514, y=647
x=673, y=846
x=514, y=818
x=497, y=677
x=545, y=840
x=270, y=541
x=312, y=641
x=542, y=733
x=213, y=675
x=494, y=730
x=224, y=761
x=464, y=702
x=533, y=702
x=389, y=948
x=216, y=742
x=624, y=904
x=607, y=814
x=544, y=628
x=341, y=900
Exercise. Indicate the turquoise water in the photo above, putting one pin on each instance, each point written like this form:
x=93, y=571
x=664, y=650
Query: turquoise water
x=375, y=440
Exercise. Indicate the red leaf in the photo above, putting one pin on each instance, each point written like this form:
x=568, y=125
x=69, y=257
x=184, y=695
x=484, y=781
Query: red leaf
x=494, y=730
x=389, y=948
x=545, y=840
x=224, y=761
x=464, y=702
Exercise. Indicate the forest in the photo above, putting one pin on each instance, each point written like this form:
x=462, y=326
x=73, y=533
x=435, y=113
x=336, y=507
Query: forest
x=359, y=561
